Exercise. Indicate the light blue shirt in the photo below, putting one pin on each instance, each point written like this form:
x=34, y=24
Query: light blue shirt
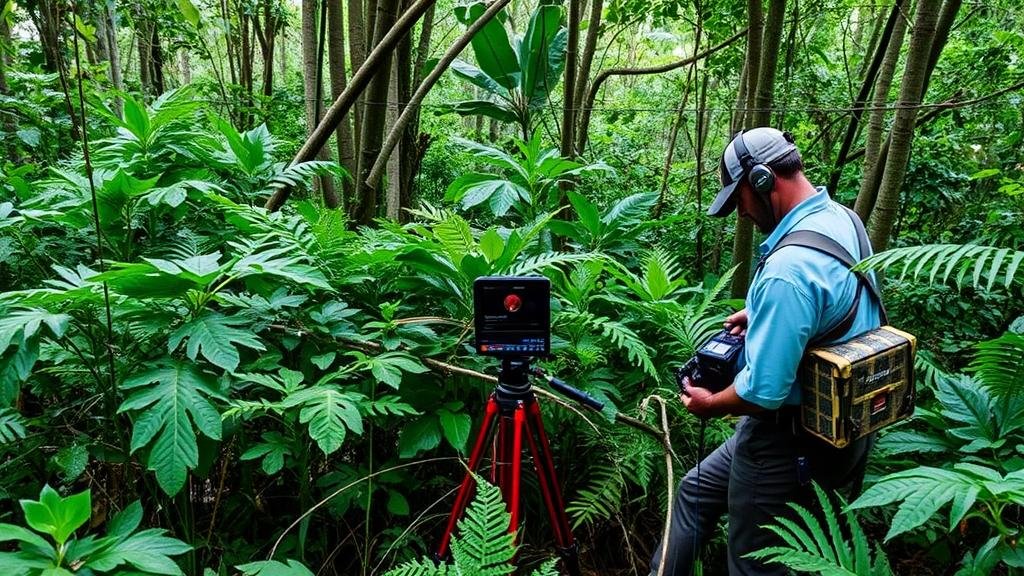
x=798, y=294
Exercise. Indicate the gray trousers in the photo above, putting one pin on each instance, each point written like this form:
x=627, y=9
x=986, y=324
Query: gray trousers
x=752, y=476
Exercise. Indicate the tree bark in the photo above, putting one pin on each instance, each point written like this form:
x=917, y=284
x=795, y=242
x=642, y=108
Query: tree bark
x=373, y=179
x=742, y=244
x=865, y=90
x=587, y=58
x=266, y=33
x=321, y=184
x=344, y=102
x=358, y=27
x=871, y=172
x=895, y=170
x=157, y=62
x=144, y=37
x=569, y=85
x=374, y=116
x=343, y=134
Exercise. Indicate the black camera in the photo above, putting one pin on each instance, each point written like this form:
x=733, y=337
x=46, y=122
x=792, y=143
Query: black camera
x=512, y=316
x=715, y=364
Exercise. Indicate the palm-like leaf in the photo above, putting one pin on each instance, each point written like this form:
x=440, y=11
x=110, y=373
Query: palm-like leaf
x=999, y=364
x=811, y=547
x=972, y=263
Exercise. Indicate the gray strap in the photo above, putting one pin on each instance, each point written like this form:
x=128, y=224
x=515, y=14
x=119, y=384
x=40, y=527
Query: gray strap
x=825, y=245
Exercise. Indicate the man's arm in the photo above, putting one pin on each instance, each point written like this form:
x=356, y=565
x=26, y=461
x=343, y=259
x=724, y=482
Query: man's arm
x=702, y=402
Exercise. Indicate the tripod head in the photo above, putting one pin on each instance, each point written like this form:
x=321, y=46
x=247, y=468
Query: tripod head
x=514, y=383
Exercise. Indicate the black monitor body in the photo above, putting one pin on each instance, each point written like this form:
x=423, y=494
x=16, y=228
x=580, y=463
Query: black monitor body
x=512, y=316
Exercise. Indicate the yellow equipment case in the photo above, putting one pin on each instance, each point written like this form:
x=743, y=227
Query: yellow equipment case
x=856, y=387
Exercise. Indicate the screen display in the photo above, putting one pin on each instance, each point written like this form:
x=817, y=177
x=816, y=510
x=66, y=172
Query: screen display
x=512, y=315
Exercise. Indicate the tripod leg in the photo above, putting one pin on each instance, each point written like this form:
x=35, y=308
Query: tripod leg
x=469, y=482
x=519, y=424
x=542, y=461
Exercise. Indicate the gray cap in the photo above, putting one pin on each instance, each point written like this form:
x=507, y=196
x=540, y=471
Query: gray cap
x=764, y=145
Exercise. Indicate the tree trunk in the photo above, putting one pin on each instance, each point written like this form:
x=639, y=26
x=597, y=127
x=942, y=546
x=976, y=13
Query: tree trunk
x=322, y=184
x=110, y=28
x=871, y=172
x=569, y=87
x=393, y=204
x=913, y=82
x=403, y=93
x=865, y=90
x=742, y=244
x=157, y=61
x=144, y=38
x=266, y=34
x=374, y=116
x=703, y=121
x=587, y=58
x=186, y=66
x=343, y=135
x=360, y=33
x=357, y=84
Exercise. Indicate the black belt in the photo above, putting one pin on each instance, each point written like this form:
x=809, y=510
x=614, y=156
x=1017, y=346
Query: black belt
x=784, y=415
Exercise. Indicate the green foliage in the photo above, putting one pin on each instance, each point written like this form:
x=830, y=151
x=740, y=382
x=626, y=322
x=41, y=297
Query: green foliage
x=168, y=399
x=812, y=547
x=517, y=74
x=483, y=546
x=526, y=183
x=988, y=263
x=123, y=550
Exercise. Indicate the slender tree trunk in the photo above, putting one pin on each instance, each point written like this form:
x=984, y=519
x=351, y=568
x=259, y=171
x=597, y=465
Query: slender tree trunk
x=865, y=90
x=186, y=66
x=871, y=172
x=895, y=170
x=360, y=80
x=343, y=135
x=374, y=116
x=266, y=34
x=144, y=38
x=229, y=40
x=324, y=185
x=357, y=44
x=393, y=201
x=110, y=28
x=587, y=58
x=9, y=125
x=742, y=245
x=569, y=85
x=157, y=62
x=703, y=120
x=407, y=159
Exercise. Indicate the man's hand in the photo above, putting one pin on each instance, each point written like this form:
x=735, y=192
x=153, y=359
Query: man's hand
x=696, y=399
x=736, y=323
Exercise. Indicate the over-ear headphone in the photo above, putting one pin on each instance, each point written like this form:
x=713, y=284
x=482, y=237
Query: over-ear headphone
x=760, y=176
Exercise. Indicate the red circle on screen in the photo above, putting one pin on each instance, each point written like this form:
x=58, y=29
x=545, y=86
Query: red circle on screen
x=513, y=303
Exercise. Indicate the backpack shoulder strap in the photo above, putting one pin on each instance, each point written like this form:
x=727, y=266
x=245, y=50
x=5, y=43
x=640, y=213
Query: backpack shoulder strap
x=826, y=245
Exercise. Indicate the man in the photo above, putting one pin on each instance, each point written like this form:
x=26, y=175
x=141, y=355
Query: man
x=797, y=296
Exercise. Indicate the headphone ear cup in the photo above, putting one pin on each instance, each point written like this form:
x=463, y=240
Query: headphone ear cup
x=761, y=179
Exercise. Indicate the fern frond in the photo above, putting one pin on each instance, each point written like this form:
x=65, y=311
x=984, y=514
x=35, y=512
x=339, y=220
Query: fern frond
x=807, y=548
x=999, y=364
x=484, y=546
x=301, y=173
x=12, y=427
x=938, y=261
x=600, y=498
x=929, y=371
x=539, y=263
x=423, y=567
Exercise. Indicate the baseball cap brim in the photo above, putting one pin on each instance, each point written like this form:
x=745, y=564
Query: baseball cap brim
x=725, y=202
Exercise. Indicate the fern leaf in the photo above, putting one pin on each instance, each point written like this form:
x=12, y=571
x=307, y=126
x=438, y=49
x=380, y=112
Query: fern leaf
x=12, y=427
x=999, y=364
x=484, y=546
x=599, y=499
x=933, y=260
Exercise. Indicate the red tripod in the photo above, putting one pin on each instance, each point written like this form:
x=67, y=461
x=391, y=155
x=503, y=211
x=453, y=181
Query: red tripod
x=514, y=409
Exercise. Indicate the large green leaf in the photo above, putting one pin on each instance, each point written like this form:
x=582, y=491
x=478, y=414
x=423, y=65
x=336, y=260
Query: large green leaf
x=170, y=398
x=491, y=46
x=56, y=516
x=215, y=336
x=535, y=49
x=495, y=110
x=274, y=568
x=478, y=78
x=328, y=411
